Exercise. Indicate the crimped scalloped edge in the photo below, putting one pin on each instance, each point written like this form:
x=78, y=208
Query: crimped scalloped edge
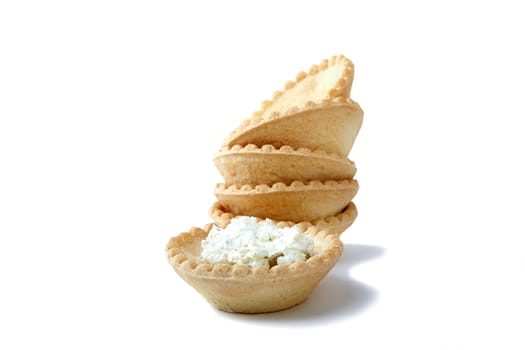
x=282, y=187
x=336, y=91
x=346, y=216
x=180, y=261
x=255, y=120
x=283, y=150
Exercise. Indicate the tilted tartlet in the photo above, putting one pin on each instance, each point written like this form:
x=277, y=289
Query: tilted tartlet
x=244, y=289
x=326, y=86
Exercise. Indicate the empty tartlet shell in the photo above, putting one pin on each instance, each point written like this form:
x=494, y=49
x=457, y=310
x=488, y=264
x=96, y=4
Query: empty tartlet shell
x=251, y=164
x=296, y=202
x=335, y=224
x=329, y=125
x=243, y=289
x=331, y=79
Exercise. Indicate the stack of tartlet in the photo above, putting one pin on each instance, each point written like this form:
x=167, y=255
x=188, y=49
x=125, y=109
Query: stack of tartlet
x=288, y=162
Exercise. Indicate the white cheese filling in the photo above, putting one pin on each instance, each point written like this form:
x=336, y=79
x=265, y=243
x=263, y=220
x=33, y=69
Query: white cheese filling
x=246, y=241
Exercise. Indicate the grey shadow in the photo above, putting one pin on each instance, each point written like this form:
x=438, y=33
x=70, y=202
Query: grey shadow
x=337, y=296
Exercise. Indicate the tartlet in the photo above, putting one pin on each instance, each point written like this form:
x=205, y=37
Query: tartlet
x=335, y=224
x=331, y=80
x=243, y=289
x=299, y=201
x=268, y=164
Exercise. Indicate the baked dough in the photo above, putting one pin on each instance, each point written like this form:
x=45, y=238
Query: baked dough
x=329, y=125
x=240, y=288
x=267, y=165
x=329, y=80
x=296, y=202
x=336, y=224
x=287, y=162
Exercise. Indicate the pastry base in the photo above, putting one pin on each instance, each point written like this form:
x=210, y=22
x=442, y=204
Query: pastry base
x=242, y=289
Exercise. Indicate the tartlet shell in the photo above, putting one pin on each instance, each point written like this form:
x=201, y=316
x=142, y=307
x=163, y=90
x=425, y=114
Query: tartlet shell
x=335, y=224
x=267, y=164
x=296, y=202
x=330, y=125
x=331, y=79
x=242, y=289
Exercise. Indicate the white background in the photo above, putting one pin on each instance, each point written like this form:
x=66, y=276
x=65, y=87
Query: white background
x=111, y=111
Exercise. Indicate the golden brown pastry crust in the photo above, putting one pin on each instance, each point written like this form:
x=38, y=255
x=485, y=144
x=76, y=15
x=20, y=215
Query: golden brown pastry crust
x=329, y=80
x=240, y=288
x=335, y=224
x=329, y=125
x=267, y=164
x=287, y=163
x=296, y=202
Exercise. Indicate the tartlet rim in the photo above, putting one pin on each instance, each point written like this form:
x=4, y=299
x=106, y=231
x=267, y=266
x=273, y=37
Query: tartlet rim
x=297, y=185
x=282, y=150
x=180, y=260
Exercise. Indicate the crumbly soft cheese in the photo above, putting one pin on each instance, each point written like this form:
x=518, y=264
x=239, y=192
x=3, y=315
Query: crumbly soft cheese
x=246, y=241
